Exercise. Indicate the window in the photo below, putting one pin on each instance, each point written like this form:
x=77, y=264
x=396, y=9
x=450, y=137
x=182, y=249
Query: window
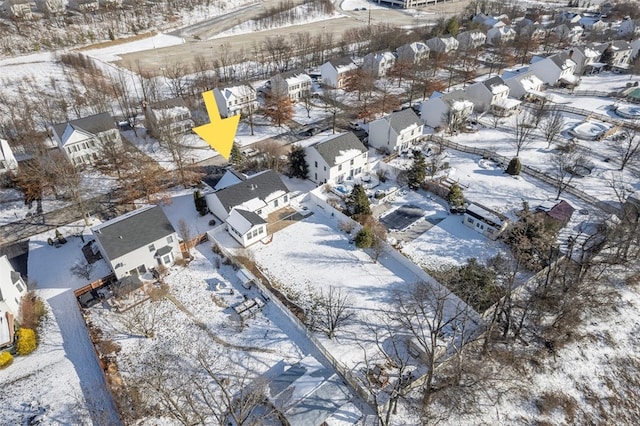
x=167, y=259
x=351, y=162
x=470, y=220
x=260, y=230
x=255, y=232
x=19, y=287
x=169, y=239
x=285, y=198
x=152, y=247
x=275, y=203
x=340, y=167
x=316, y=164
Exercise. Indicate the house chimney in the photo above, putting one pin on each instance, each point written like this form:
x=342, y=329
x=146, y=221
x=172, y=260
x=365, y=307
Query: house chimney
x=571, y=53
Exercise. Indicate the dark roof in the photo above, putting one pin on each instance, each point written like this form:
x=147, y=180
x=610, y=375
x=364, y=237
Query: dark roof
x=400, y=120
x=15, y=277
x=561, y=212
x=260, y=186
x=456, y=95
x=251, y=217
x=493, y=81
x=133, y=230
x=560, y=58
x=341, y=62
x=168, y=103
x=93, y=124
x=164, y=250
x=330, y=149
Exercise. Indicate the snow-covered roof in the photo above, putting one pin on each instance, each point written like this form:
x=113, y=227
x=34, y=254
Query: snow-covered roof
x=507, y=103
x=253, y=192
x=484, y=214
x=237, y=91
x=339, y=148
x=496, y=85
x=243, y=220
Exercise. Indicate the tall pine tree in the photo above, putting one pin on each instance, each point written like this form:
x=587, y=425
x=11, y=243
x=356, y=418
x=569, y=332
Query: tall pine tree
x=298, y=166
x=418, y=171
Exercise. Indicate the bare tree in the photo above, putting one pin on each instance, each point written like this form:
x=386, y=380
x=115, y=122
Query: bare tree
x=173, y=142
x=627, y=147
x=333, y=309
x=564, y=166
x=278, y=107
x=551, y=126
x=522, y=131
x=332, y=105
x=140, y=319
x=69, y=180
x=186, y=233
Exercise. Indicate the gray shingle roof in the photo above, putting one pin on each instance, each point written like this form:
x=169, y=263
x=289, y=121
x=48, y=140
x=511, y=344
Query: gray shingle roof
x=251, y=217
x=400, y=120
x=168, y=103
x=493, y=81
x=133, y=230
x=332, y=148
x=260, y=186
x=93, y=124
x=341, y=62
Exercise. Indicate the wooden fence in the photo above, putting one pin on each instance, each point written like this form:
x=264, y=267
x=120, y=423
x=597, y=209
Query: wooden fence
x=95, y=285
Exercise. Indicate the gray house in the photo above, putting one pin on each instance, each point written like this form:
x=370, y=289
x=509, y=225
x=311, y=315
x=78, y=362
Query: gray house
x=137, y=242
x=396, y=132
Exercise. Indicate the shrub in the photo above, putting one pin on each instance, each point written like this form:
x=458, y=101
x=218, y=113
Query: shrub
x=364, y=238
x=32, y=310
x=514, y=166
x=26, y=341
x=5, y=360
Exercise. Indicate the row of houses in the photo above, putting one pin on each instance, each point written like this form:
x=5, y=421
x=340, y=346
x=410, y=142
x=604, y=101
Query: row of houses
x=24, y=9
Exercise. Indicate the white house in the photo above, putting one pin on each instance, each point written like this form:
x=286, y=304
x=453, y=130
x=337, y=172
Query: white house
x=169, y=116
x=472, y=39
x=441, y=109
x=484, y=220
x=500, y=35
x=487, y=94
x=555, y=70
x=18, y=9
x=51, y=7
x=628, y=27
x=587, y=59
x=137, y=242
x=336, y=159
x=395, y=132
x=246, y=227
x=523, y=84
x=7, y=159
x=81, y=140
x=568, y=33
x=85, y=6
x=244, y=203
x=297, y=85
x=334, y=73
x=593, y=23
x=489, y=21
x=414, y=53
x=444, y=44
x=236, y=100
x=378, y=64
x=615, y=54
x=12, y=288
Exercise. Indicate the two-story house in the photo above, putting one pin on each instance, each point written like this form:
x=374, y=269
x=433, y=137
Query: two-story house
x=523, y=84
x=168, y=117
x=616, y=54
x=442, y=109
x=587, y=60
x=443, y=44
x=568, y=33
x=334, y=73
x=472, y=39
x=244, y=204
x=85, y=6
x=395, y=132
x=492, y=95
x=18, y=9
x=378, y=64
x=137, y=242
x=413, y=53
x=236, y=100
x=51, y=7
x=12, y=289
x=500, y=35
x=336, y=159
x=7, y=159
x=81, y=140
x=555, y=70
x=295, y=84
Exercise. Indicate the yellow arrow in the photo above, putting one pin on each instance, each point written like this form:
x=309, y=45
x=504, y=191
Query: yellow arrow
x=219, y=133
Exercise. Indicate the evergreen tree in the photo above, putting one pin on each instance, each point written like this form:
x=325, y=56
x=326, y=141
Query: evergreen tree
x=364, y=238
x=514, y=166
x=298, y=166
x=418, y=171
x=236, y=156
x=455, y=196
x=358, y=202
x=200, y=202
